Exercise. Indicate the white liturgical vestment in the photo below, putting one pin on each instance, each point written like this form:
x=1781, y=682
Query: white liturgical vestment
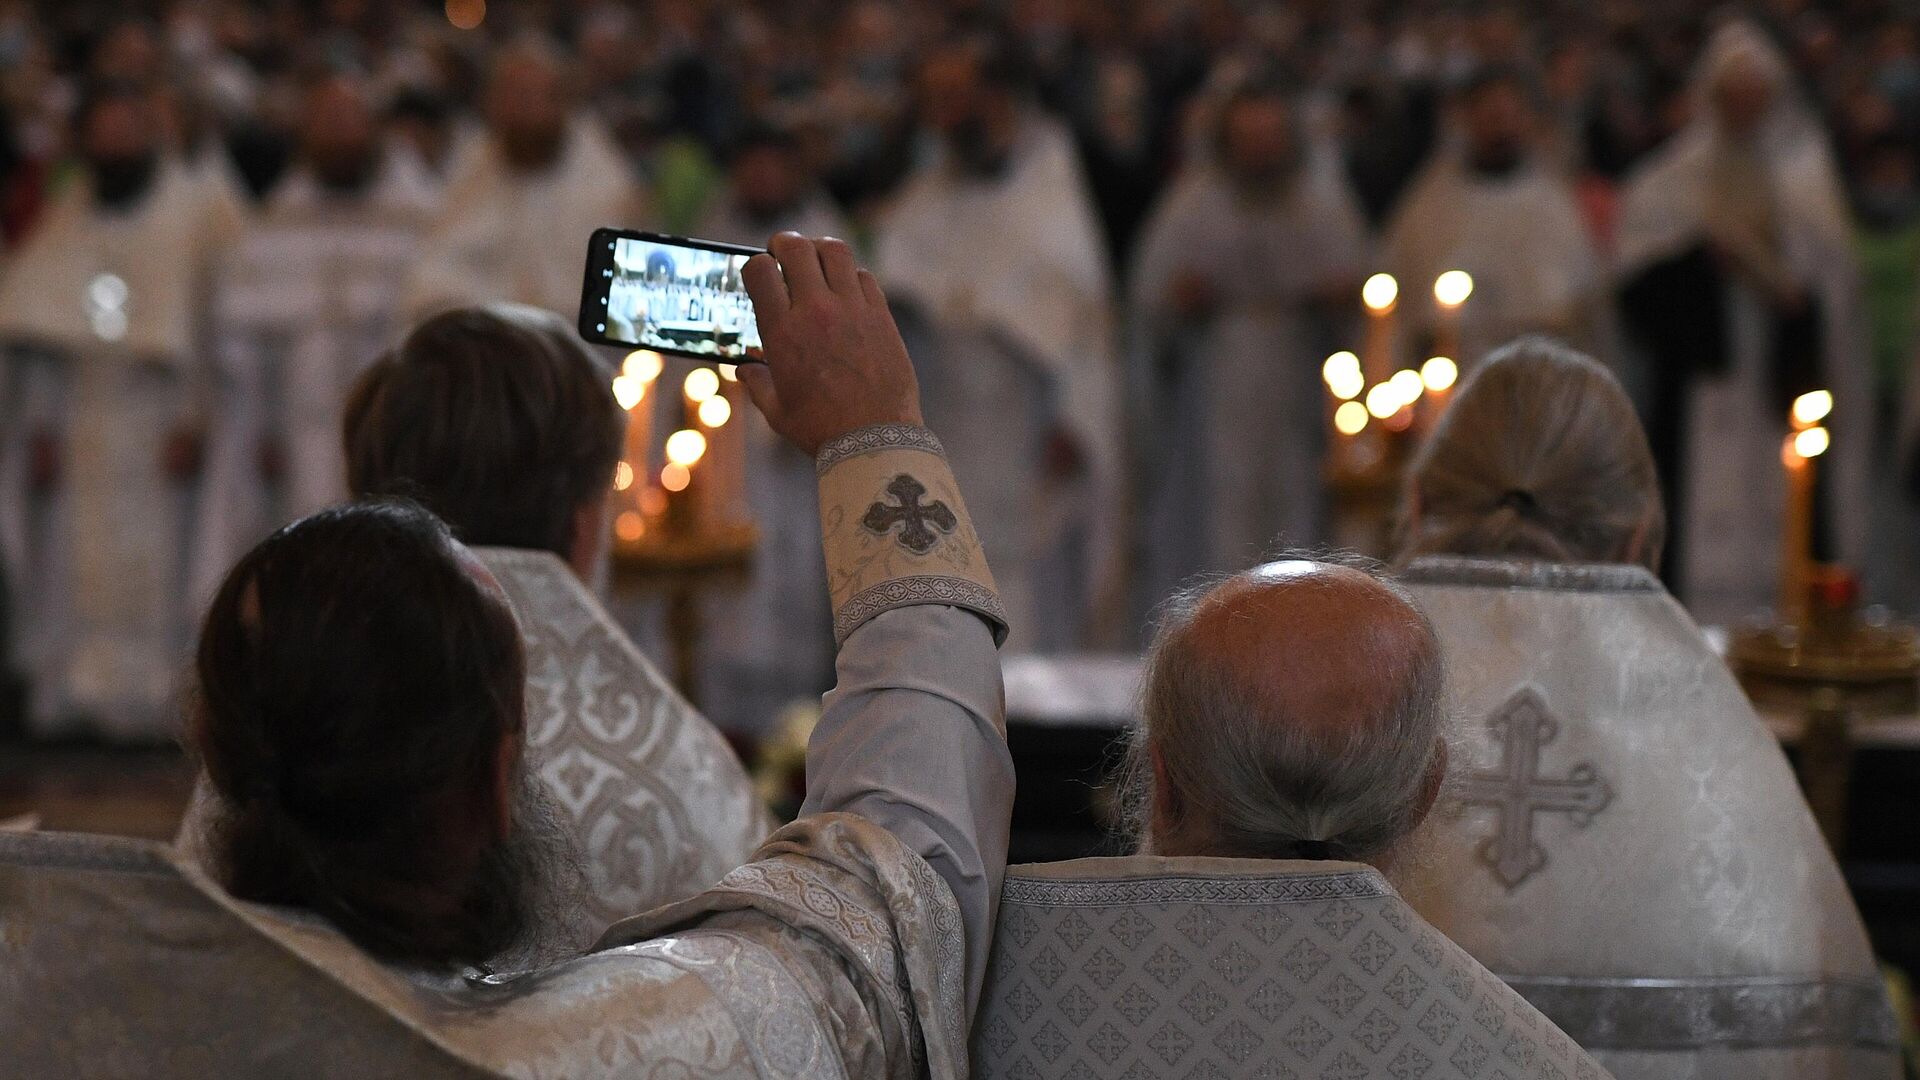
x=1625, y=844
x=661, y=805
x=508, y=235
x=657, y=803
x=102, y=318
x=1142, y=967
x=303, y=304
x=852, y=944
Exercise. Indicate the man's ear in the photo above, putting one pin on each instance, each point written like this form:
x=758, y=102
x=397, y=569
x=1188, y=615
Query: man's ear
x=587, y=537
x=505, y=769
x=1165, y=804
x=1435, y=783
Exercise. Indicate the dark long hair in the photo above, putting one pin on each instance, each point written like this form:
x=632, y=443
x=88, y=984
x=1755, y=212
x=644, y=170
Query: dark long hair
x=356, y=687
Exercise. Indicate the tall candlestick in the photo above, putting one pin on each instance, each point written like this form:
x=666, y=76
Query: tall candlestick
x=1381, y=295
x=1804, y=445
x=1450, y=292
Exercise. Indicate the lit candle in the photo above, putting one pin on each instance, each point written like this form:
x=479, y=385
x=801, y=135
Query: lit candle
x=633, y=389
x=710, y=400
x=1381, y=295
x=1450, y=292
x=1804, y=445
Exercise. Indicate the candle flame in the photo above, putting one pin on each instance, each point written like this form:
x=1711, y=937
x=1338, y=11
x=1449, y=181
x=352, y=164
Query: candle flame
x=1343, y=376
x=684, y=447
x=622, y=476
x=715, y=411
x=628, y=391
x=1452, y=288
x=1383, y=400
x=1350, y=418
x=675, y=477
x=1379, y=293
x=629, y=526
x=1811, y=443
x=1809, y=409
x=729, y=372
x=702, y=383
x=1407, y=385
x=643, y=365
x=1439, y=373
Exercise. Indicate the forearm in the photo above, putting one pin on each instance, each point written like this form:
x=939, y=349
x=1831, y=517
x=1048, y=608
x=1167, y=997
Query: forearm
x=913, y=736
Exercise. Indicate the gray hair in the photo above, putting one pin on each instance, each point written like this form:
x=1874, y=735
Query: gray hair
x=1249, y=780
x=1540, y=456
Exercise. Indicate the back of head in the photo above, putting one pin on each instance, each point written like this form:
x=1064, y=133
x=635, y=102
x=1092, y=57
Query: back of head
x=1540, y=456
x=1290, y=712
x=496, y=418
x=357, y=688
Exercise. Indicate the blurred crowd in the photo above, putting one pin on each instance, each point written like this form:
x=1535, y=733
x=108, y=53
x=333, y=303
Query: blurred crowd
x=1031, y=178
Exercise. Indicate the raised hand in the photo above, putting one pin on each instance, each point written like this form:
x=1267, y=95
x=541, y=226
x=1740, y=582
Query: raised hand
x=834, y=359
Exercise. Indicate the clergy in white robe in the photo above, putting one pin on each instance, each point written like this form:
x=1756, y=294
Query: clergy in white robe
x=1623, y=841
x=521, y=202
x=303, y=304
x=1291, y=739
x=994, y=241
x=1491, y=204
x=1742, y=215
x=769, y=642
x=1241, y=270
x=102, y=316
x=854, y=943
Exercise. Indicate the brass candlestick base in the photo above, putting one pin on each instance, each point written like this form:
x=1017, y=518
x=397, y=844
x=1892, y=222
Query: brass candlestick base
x=681, y=562
x=1837, y=670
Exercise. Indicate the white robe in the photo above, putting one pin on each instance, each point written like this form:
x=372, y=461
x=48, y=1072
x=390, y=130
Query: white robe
x=102, y=316
x=1734, y=486
x=506, y=236
x=1233, y=437
x=1522, y=239
x=769, y=641
x=306, y=301
x=1013, y=278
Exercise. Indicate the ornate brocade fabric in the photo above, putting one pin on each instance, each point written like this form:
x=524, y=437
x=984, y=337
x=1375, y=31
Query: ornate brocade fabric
x=1146, y=967
x=836, y=953
x=1625, y=843
x=660, y=804
x=896, y=530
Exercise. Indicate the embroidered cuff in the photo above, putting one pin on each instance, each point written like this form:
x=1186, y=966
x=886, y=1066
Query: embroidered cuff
x=896, y=531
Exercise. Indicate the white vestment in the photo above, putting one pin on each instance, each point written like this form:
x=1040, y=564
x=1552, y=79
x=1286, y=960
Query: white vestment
x=653, y=798
x=1625, y=844
x=1242, y=969
x=769, y=641
x=503, y=235
x=308, y=299
x=1232, y=435
x=1522, y=239
x=102, y=317
x=1733, y=488
x=1012, y=278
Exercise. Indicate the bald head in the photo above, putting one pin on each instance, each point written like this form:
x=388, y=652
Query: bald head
x=1291, y=711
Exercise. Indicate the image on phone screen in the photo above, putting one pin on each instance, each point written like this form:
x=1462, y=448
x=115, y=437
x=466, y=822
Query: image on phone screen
x=672, y=295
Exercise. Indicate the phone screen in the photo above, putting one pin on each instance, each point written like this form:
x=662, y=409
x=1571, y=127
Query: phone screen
x=669, y=294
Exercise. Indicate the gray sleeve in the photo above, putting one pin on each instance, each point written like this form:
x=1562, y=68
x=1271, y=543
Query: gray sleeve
x=913, y=738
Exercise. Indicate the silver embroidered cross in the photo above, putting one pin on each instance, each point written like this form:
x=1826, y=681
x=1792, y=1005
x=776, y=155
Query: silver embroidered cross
x=913, y=518
x=1517, y=791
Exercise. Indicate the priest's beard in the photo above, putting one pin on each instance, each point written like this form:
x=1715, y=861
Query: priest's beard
x=1497, y=159
x=532, y=149
x=978, y=152
x=345, y=172
x=539, y=865
x=120, y=182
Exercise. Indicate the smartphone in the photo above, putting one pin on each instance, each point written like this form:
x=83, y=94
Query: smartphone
x=669, y=294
